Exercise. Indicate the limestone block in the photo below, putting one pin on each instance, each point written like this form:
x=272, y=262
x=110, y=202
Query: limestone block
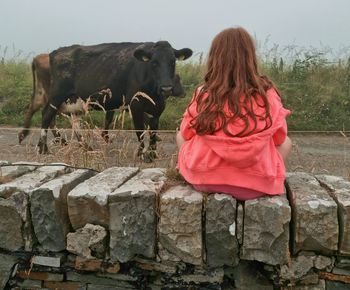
x=49, y=209
x=15, y=223
x=340, y=191
x=88, y=202
x=266, y=230
x=6, y=264
x=132, y=209
x=32, y=180
x=315, y=222
x=180, y=224
x=88, y=242
x=13, y=171
x=220, y=231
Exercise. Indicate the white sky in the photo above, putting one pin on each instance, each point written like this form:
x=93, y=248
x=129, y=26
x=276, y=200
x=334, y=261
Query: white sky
x=36, y=26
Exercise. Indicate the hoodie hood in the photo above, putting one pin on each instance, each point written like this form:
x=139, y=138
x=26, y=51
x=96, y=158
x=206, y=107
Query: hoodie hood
x=242, y=151
x=245, y=151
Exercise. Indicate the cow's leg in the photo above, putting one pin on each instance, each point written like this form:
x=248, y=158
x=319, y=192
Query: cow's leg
x=32, y=109
x=56, y=134
x=108, y=120
x=152, y=149
x=139, y=125
x=48, y=115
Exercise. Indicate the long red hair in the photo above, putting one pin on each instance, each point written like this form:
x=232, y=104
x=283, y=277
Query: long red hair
x=232, y=74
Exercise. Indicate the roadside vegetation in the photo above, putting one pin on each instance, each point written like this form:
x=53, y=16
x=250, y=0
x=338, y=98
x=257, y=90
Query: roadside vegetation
x=313, y=84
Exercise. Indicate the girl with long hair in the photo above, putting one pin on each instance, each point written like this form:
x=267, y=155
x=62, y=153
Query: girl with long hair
x=233, y=137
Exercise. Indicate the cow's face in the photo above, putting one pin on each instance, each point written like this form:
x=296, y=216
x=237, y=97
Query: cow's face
x=161, y=59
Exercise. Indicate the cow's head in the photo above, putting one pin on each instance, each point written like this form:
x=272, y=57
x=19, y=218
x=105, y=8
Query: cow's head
x=161, y=58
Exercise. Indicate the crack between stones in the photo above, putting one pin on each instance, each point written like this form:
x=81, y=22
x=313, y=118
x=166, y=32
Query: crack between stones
x=292, y=224
x=331, y=193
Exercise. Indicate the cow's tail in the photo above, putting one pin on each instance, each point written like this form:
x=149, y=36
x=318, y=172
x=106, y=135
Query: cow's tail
x=29, y=109
x=34, y=79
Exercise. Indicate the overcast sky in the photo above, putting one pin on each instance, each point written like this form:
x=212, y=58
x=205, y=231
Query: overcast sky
x=36, y=26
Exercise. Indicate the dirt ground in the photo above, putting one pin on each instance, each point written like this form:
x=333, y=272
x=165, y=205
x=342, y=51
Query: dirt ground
x=314, y=153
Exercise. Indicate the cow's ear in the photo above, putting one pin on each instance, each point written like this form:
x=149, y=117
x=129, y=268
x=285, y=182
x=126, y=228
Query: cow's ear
x=143, y=55
x=183, y=54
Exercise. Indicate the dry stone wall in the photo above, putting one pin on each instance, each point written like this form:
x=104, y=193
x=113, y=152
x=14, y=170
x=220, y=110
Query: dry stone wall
x=131, y=228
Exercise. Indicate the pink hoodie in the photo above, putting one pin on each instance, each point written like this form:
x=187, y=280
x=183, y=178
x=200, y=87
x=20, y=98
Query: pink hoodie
x=251, y=162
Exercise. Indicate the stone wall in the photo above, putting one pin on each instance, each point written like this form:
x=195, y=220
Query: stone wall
x=127, y=228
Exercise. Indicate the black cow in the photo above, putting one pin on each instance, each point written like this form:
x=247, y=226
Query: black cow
x=111, y=75
x=41, y=87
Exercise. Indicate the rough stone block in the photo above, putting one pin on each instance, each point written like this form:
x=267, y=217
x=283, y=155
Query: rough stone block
x=332, y=285
x=180, y=225
x=29, y=284
x=296, y=269
x=91, y=265
x=6, y=264
x=88, y=202
x=15, y=223
x=343, y=262
x=343, y=279
x=46, y=261
x=150, y=265
x=64, y=285
x=49, y=209
x=106, y=287
x=220, y=231
x=96, y=265
x=266, y=230
x=88, y=242
x=32, y=180
x=214, y=276
x=321, y=285
x=44, y=276
x=247, y=276
x=95, y=280
x=132, y=209
x=340, y=191
x=13, y=171
x=315, y=222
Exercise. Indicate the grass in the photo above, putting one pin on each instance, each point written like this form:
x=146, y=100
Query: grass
x=314, y=87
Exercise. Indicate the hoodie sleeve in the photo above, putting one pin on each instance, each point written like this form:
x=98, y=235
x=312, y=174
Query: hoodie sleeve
x=281, y=134
x=280, y=118
x=185, y=128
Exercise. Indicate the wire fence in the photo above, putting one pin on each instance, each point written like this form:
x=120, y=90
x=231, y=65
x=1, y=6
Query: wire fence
x=342, y=132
